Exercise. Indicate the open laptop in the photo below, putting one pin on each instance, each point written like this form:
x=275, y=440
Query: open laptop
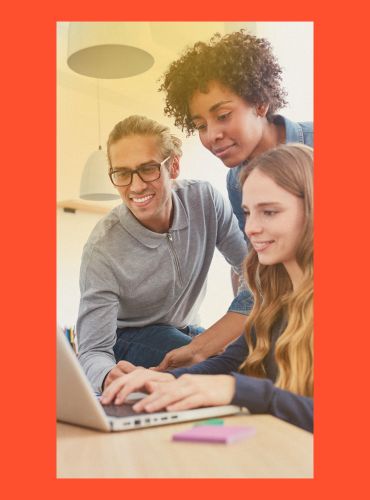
x=77, y=403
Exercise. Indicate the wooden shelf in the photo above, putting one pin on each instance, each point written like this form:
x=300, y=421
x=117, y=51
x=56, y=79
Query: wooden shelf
x=72, y=206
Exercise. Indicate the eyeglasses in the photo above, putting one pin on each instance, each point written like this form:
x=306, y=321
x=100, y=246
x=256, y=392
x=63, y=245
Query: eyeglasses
x=123, y=176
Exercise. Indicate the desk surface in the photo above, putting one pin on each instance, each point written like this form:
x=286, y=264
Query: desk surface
x=277, y=450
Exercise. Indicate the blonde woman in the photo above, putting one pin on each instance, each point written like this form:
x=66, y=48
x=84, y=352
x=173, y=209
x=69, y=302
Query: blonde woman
x=270, y=368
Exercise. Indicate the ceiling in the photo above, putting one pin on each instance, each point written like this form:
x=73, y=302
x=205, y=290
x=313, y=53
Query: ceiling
x=168, y=41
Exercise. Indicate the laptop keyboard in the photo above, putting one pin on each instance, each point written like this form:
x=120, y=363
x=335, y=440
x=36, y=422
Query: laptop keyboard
x=124, y=410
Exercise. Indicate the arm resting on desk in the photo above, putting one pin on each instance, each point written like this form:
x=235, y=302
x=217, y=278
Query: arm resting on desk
x=261, y=396
x=258, y=395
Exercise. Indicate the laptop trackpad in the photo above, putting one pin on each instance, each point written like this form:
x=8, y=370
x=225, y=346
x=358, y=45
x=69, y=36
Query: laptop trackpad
x=125, y=409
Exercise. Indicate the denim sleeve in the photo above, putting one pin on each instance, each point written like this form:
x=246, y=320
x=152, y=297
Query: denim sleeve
x=261, y=396
x=235, y=196
x=243, y=302
x=225, y=363
x=307, y=129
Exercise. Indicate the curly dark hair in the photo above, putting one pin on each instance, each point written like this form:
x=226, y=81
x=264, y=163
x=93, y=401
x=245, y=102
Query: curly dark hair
x=239, y=61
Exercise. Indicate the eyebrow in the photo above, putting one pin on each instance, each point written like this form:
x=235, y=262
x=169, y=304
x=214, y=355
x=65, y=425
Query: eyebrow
x=134, y=168
x=265, y=204
x=212, y=108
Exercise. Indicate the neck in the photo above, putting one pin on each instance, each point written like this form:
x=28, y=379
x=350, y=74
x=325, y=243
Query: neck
x=272, y=136
x=295, y=273
x=163, y=221
x=159, y=227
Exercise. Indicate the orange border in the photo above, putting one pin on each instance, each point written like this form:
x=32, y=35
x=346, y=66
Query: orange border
x=28, y=60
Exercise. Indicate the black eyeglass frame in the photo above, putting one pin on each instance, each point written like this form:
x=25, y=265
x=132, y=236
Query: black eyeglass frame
x=137, y=171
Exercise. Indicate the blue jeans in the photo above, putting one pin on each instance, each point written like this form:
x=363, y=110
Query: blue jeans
x=147, y=346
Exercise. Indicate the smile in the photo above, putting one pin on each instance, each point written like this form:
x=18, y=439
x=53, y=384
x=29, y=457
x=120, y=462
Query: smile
x=221, y=152
x=141, y=200
x=259, y=246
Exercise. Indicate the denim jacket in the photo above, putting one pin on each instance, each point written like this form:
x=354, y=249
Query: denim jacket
x=301, y=132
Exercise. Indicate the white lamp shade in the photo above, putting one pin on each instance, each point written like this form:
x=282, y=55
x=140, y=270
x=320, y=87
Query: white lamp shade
x=95, y=182
x=109, y=50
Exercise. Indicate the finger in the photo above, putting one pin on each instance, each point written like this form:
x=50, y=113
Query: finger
x=164, y=363
x=161, y=367
x=154, y=402
x=150, y=386
x=157, y=369
x=110, y=377
x=112, y=389
x=164, y=395
x=126, y=366
x=133, y=382
x=193, y=401
x=127, y=389
x=127, y=381
x=113, y=375
x=160, y=401
x=139, y=406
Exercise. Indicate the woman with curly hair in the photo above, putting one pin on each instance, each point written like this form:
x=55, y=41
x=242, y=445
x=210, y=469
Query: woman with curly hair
x=229, y=90
x=269, y=369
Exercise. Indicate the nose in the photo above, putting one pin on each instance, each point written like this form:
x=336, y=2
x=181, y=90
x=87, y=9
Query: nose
x=214, y=132
x=252, y=226
x=137, y=183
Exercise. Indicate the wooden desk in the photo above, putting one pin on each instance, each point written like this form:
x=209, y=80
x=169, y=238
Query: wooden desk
x=277, y=450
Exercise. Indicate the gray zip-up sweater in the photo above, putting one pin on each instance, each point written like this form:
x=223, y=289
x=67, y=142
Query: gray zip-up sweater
x=132, y=277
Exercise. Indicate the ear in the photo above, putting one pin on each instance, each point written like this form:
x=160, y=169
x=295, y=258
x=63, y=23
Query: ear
x=175, y=168
x=262, y=109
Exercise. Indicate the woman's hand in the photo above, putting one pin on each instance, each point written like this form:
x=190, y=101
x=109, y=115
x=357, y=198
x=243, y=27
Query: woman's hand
x=121, y=387
x=188, y=391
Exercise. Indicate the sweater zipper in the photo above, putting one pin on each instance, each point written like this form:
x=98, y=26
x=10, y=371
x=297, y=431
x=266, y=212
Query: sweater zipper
x=175, y=258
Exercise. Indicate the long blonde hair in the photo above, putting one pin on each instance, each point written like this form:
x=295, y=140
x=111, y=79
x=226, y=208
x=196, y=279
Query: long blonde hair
x=275, y=302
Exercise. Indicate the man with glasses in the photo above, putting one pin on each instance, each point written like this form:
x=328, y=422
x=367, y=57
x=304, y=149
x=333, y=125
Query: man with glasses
x=144, y=267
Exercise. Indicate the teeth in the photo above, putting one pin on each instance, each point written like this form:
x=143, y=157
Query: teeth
x=142, y=200
x=261, y=244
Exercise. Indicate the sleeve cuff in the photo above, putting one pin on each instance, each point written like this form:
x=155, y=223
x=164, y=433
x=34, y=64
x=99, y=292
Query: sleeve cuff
x=243, y=303
x=252, y=393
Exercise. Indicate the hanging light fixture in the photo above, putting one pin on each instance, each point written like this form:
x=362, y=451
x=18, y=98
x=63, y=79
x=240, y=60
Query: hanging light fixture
x=95, y=183
x=106, y=51
x=109, y=50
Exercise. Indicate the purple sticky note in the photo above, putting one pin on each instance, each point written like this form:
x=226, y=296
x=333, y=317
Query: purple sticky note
x=214, y=434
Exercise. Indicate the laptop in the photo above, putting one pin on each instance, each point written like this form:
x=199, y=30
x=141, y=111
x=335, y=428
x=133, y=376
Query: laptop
x=78, y=404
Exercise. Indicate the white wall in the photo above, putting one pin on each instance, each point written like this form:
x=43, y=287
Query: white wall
x=78, y=137
x=293, y=46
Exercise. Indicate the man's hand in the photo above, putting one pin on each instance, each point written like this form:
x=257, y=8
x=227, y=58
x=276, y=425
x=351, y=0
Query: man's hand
x=121, y=368
x=136, y=380
x=183, y=356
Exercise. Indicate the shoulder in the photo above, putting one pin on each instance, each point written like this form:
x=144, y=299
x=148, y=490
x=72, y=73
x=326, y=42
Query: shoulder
x=199, y=195
x=193, y=188
x=232, y=177
x=307, y=130
x=189, y=185
x=102, y=232
x=301, y=132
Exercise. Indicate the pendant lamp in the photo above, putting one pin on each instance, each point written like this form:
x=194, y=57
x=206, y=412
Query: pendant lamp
x=109, y=50
x=106, y=51
x=95, y=183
